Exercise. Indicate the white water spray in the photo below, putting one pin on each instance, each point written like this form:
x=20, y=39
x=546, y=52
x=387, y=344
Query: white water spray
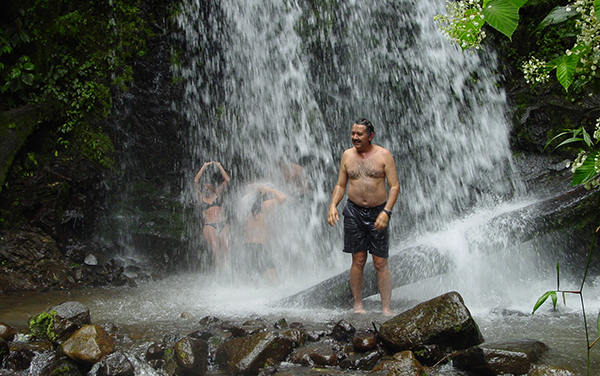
x=267, y=80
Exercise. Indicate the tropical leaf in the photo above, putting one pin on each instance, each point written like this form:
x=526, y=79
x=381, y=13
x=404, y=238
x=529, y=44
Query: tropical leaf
x=502, y=15
x=518, y=3
x=557, y=15
x=542, y=299
x=586, y=171
x=597, y=8
x=565, y=69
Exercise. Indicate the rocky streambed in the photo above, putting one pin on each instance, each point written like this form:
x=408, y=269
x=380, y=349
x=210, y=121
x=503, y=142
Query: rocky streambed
x=436, y=337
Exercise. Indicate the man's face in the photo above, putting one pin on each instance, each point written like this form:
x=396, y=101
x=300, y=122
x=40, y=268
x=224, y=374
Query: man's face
x=360, y=137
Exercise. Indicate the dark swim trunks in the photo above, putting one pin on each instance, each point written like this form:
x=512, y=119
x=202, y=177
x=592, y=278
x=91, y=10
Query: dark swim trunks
x=360, y=233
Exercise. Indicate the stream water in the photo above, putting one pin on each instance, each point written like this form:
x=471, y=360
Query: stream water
x=267, y=80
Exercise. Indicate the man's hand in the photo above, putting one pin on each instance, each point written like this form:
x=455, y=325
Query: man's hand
x=382, y=221
x=333, y=217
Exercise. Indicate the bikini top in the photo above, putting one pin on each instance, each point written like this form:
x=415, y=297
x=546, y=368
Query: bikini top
x=205, y=205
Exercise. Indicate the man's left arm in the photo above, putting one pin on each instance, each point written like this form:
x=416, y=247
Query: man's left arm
x=391, y=176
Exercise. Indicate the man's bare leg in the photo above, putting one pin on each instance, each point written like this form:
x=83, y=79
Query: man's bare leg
x=356, y=279
x=384, y=282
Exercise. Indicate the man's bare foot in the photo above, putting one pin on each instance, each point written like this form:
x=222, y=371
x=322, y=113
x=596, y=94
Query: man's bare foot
x=359, y=310
x=387, y=312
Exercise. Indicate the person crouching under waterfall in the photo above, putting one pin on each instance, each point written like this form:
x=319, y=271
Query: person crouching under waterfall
x=256, y=231
x=215, y=223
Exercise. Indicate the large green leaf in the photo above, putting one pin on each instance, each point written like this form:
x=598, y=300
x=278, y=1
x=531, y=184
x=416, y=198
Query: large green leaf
x=597, y=8
x=502, y=15
x=518, y=3
x=558, y=15
x=565, y=69
x=586, y=171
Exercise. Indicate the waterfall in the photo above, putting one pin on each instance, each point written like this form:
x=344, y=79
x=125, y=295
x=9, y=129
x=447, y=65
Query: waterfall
x=265, y=80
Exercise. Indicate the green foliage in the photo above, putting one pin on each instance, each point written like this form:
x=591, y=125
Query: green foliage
x=42, y=325
x=74, y=53
x=502, y=15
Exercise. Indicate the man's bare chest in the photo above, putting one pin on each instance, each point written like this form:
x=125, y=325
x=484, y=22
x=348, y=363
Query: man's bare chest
x=366, y=168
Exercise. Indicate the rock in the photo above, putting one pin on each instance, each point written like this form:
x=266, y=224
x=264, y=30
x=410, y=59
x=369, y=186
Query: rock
x=88, y=345
x=411, y=265
x=115, y=364
x=342, y=331
x=298, y=336
x=402, y=364
x=53, y=363
x=315, y=355
x=248, y=328
x=250, y=354
x=444, y=321
x=361, y=360
x=192, y=356
x=7, y=332
x=501, y=357
x=155, y=351
x=364, y=341
x=4, y=349
x=21, y=354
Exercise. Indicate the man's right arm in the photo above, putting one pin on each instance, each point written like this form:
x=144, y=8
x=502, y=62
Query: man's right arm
x=338, y=193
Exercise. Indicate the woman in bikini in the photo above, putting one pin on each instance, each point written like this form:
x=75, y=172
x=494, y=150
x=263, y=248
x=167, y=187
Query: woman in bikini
x=215, y=226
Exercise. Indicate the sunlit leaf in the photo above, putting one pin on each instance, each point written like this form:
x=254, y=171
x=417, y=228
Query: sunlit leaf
x=554, y=298
x=502, y=15
x=586, y=171
x=541, y=301
x=565, y=69
x=597, y=8
x=557, y=15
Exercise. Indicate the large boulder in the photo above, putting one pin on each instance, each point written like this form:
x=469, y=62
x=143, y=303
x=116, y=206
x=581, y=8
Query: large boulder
x=187, y=357
x=500, y=358
x=401, y=364
x=444, y=321
x=88, y=345
x=247, y=355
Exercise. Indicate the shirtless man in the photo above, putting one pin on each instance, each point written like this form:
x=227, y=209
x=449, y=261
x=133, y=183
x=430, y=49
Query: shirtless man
x=366, y=167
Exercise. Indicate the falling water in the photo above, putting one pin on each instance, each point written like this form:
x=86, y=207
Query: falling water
x=266, y=80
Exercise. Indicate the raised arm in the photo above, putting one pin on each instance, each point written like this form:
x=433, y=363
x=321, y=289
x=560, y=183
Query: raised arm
x=278, y=198
x=225, y=176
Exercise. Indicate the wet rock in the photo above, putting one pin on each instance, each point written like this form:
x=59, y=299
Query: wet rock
x=342, y=331
x=247, y=328
x=192, y=356
x=544, y=370
x=34, y=261
x=155, y=351
x=88, y=345
x=250, y=354
x=364, y=341
x=53, y=363
x=281, y=324
x=401, y=364
x=210, y=321
x=444, y=321
x=115, y=364
x=501, y=357
x=299, y=336
x=317, y=354
x=361, y=360
x=7, y=332
x=21, y=354
x=428, y=354
x=4, y=349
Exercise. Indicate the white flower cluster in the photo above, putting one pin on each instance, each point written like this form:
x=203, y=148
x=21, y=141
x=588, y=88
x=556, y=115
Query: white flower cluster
x=463, y=23
x=597, y=130
x=535, y=71
x=587, y=46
